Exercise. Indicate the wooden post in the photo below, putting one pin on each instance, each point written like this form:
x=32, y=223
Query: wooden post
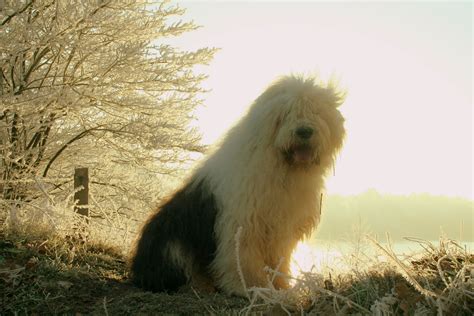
x=81, y=179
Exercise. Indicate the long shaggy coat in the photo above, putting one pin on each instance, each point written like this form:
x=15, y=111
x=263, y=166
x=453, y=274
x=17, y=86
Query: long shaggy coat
x=265, y=177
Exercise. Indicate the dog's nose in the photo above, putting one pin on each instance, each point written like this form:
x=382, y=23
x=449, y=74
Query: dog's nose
x=304, y=132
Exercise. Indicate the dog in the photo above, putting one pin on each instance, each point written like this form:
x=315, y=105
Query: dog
x=263, y=179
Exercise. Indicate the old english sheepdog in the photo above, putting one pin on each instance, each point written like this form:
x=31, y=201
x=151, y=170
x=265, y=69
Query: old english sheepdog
x=264, y=177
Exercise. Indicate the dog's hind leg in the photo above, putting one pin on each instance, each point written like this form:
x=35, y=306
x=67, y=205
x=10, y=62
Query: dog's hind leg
x=158, y=263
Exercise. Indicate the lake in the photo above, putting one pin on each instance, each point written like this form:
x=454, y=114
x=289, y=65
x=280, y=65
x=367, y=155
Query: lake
x=322, y=256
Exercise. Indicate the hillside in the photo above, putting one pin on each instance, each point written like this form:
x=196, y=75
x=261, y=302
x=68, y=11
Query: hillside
x=46, y=274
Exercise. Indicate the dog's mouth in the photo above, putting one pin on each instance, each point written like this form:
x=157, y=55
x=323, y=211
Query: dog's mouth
x=301, y=154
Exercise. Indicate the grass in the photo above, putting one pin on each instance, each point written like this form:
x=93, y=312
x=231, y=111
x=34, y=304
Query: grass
x=42, y=273
x=46, y=274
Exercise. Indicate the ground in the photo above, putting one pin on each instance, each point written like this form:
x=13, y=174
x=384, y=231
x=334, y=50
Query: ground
x=46, y=274
x=52, y=276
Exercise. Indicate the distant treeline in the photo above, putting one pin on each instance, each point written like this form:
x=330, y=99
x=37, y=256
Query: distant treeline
x=418, y=215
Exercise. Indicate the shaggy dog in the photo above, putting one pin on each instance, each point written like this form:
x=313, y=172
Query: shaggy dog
x=266, y=177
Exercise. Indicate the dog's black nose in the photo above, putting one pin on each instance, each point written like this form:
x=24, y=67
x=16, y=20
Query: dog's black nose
x=304, y=132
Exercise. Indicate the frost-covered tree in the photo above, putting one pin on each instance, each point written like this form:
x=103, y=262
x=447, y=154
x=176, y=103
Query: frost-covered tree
x=93, y=83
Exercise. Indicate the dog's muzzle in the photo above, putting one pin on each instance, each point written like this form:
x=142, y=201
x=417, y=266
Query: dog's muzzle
x=302, y=151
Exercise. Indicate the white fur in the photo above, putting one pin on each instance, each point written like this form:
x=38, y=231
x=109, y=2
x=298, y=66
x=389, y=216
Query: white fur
x=275, y=202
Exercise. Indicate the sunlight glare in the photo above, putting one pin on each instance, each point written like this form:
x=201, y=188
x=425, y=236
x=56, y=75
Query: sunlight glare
x=409, y=105
x=308, y=257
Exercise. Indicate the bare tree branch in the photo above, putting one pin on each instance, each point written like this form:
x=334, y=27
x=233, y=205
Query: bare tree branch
x=93, y=84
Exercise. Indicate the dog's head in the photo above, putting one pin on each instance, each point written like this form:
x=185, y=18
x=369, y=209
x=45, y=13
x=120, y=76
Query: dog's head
x=307, y=127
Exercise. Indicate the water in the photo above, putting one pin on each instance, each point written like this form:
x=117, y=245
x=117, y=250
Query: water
x=342, y=256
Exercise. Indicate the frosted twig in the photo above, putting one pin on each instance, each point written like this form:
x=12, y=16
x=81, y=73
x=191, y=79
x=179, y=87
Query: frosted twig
x=104, y=303
x=403, y=269
x=440, y=270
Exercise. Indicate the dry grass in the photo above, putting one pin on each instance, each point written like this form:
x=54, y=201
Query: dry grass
x=438, y=281
x=45, y=274
x=56, y=273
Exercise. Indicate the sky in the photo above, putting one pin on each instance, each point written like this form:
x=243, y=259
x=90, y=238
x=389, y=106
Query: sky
x=406, y=66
